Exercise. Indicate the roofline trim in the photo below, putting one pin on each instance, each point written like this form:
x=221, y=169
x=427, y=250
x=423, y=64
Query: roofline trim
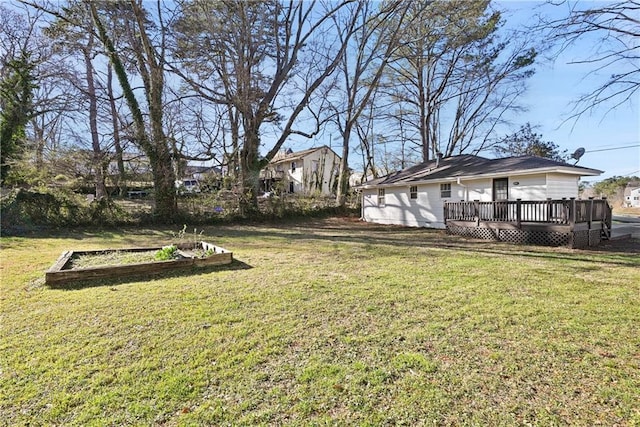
x=568, y=170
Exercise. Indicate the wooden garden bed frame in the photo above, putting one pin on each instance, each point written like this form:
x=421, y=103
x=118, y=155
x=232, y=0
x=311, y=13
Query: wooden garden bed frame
x=61, y=273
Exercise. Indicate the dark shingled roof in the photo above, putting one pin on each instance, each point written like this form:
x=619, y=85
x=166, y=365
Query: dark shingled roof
x=469, y=166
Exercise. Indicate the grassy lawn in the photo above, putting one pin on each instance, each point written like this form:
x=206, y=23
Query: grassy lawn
x=326, y=322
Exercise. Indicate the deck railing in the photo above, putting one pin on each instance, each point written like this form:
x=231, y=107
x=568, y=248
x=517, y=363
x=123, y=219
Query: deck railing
x=560, y=212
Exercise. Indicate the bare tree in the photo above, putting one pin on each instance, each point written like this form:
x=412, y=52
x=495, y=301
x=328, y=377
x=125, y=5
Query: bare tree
x=49, y=95
x=150, y=61
x=121, y=180
x=265, y=61
x=79, y=38
x=615, y=29
x=455, y=75
x=373, y=45
x=143, y=57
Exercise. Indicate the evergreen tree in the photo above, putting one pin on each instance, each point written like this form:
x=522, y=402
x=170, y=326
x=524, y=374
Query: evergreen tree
x=16, y=109
x=525, y=142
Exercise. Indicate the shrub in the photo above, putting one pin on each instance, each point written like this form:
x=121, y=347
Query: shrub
x=107, y=212
x=56, y=207
x=39, y=207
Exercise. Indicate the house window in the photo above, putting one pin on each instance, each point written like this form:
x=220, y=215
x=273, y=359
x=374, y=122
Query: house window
x=413, y=192
x=290, y=186
x=380, y=196
x=445, y=191
x=314, y=165
x=293, y=166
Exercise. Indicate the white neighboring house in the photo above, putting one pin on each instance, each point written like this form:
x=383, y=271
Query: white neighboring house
x=415, y=196
x=632, y=197
x=187, y=186
x=306, y=172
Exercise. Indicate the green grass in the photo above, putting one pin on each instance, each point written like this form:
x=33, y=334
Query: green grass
x=326, y=322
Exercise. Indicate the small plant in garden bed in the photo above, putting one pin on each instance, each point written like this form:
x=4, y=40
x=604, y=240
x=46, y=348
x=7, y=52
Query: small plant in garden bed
x=193, y=242
x=201, y=253
x=166, y=253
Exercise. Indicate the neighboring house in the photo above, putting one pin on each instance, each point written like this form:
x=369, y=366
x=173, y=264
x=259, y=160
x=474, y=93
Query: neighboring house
x=415, y=196
x=187, y=186
x=632, y=197
x=202, y=172
x=194, y=179
x=313, y=171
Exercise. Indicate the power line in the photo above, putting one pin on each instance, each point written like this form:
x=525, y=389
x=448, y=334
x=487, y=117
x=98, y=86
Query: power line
x=614, y=148
x=613, y=144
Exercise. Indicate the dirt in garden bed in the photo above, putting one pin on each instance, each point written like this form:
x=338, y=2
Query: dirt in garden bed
x=112, y=258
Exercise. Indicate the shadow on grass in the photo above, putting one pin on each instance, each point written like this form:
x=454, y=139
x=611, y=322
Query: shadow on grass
x=184, y=272
x=617, y=252
x=125, y=235
x=349, y=230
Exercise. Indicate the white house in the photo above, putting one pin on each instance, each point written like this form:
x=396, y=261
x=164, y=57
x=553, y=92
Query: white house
x=632, y=197
x=306, y=172
x=415, y=196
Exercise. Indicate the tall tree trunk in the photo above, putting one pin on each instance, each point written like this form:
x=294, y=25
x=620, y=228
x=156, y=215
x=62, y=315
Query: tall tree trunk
x=98, y=155
x=424, y=115
x=155, y=147
x=122, y=177
x=343, y=177
x=152, y=73
x=233, y=165
x=249, y=173
x=164, y=185
x=38, y=136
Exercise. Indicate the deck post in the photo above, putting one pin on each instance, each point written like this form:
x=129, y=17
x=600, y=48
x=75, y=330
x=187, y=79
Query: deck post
x=549, y=210
x=608, y=216
x=590, y=217
x=518, y=212
x=476, y=205
x=572, y=212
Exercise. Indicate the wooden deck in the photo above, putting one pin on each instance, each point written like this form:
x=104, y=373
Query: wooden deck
x=566, y=222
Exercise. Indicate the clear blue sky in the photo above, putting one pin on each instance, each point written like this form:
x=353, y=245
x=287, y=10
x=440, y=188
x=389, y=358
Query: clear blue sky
x=554, y=88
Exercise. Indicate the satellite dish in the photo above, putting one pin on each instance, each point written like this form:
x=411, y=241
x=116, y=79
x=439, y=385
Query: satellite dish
x=577, y=154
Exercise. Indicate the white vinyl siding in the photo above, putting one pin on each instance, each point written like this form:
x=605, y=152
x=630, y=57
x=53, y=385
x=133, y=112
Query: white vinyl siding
x=427, y=210
x=559, y=186
x=528, y=187
x=317, y=172
x=310, y=174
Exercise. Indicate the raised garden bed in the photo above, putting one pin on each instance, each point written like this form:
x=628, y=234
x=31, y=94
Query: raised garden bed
x=77, y=266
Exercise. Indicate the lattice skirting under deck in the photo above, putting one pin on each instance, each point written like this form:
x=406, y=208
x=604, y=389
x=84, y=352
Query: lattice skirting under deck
x=575, y=239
